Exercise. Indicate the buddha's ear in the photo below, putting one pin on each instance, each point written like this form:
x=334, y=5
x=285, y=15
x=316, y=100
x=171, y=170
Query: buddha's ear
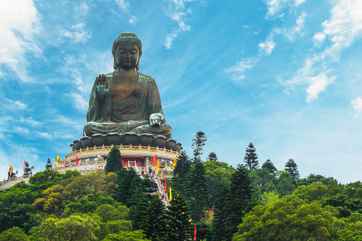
x=139, y=60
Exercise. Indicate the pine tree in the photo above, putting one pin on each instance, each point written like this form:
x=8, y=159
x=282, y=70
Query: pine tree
x=182, y=166
x=238, y=200
x=197, y=144
x=251, y=159
x=157, y=221
x=179, y=226
x=181, y=174
x=269, y=167
x=49, y=165
x=113, y=160
x=212, y=156
x=220, y=215
x=198, y=197
x=292, y=169
x=139, y=212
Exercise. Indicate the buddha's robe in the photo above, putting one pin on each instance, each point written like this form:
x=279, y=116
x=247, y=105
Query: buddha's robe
x=126, y=107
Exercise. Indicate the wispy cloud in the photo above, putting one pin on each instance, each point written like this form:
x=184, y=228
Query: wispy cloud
x=12, y=105
x=357, y=104
x=342, y=28
x=237, y=72
x=178, y=10
x=124, y=5
x=315, y=76
x=317, y=85
x=82, y=71
x=275, y=7
x=267, y=47
x=18, y=26
x=77, y=33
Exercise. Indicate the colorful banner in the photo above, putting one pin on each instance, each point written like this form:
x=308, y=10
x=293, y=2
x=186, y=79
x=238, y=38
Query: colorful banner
x=170, y=193
x=195, y=232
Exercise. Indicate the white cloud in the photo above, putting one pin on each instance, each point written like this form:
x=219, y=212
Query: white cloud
x=19, y=23
x=21, y=131
x=80, y=101
x=83, y=72
x=19, y=105
x=319, y=37
x=357, y=104
x=11, y=105
x=317, y=85
x=170, y=38
x=299, y=2
x=343, y=27
x=268, y=46
x=178, y=10
x=77, y=33
x=314, y=76
x=299, y=25
x=275, y=7
x=238, y=71
x=83, y=9
x=124, y=6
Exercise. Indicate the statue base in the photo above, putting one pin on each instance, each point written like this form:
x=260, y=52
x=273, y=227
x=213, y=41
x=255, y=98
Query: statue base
x=128, y=138
x=147, y=154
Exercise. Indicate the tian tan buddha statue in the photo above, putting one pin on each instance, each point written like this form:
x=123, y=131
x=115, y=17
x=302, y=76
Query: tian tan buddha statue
x=125, y=100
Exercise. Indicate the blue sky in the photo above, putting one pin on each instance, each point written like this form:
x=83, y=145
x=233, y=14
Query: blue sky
x=283, y=74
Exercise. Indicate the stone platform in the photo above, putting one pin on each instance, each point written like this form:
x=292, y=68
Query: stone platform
x=138, y=157
x=128, y=138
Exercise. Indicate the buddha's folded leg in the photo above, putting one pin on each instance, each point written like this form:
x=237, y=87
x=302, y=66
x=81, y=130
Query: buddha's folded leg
x=164, y=130
x=92, y=128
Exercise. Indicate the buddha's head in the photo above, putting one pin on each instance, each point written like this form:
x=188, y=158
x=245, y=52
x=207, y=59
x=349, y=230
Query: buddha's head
x=127, y=51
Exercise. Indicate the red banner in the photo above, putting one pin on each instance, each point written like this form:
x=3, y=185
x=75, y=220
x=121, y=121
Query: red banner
x=195, y=232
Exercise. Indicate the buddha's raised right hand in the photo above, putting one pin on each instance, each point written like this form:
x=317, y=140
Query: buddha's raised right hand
x=101, y=86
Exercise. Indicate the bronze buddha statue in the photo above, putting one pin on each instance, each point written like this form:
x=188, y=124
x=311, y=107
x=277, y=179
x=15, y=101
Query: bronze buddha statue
x=125, y=100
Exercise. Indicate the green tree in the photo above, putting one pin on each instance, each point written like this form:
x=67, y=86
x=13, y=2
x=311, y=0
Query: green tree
x=179, y=220
x=181, y=175
x=220, y=214
x=108, y=212
x=139, y=211
x=157, y=221
x=49, y=165
x=292, y=169
x=251, y=158
x=286, y=219
x=198, y=198
x=128, y=185
x=76, y=227
x=16, y=209
x=198, y=143
x=218, y=178
x=352, y=229
x=113, y=160
x=285, y=183
x=212, y=156
x=269, y=167
x=182, y=165
x=127, y=236
x=14, y=234
x=238, y=200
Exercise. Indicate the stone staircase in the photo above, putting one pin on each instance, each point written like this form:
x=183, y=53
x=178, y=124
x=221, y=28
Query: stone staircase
x=6, y=184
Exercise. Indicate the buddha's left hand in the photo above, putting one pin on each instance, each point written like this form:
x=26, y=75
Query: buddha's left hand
x=156, y=119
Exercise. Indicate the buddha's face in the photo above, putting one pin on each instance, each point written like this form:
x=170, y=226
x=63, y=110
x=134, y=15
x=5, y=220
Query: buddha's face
x=128, y=55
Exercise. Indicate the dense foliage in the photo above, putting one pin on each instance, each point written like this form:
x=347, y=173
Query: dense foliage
x=212, y=201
